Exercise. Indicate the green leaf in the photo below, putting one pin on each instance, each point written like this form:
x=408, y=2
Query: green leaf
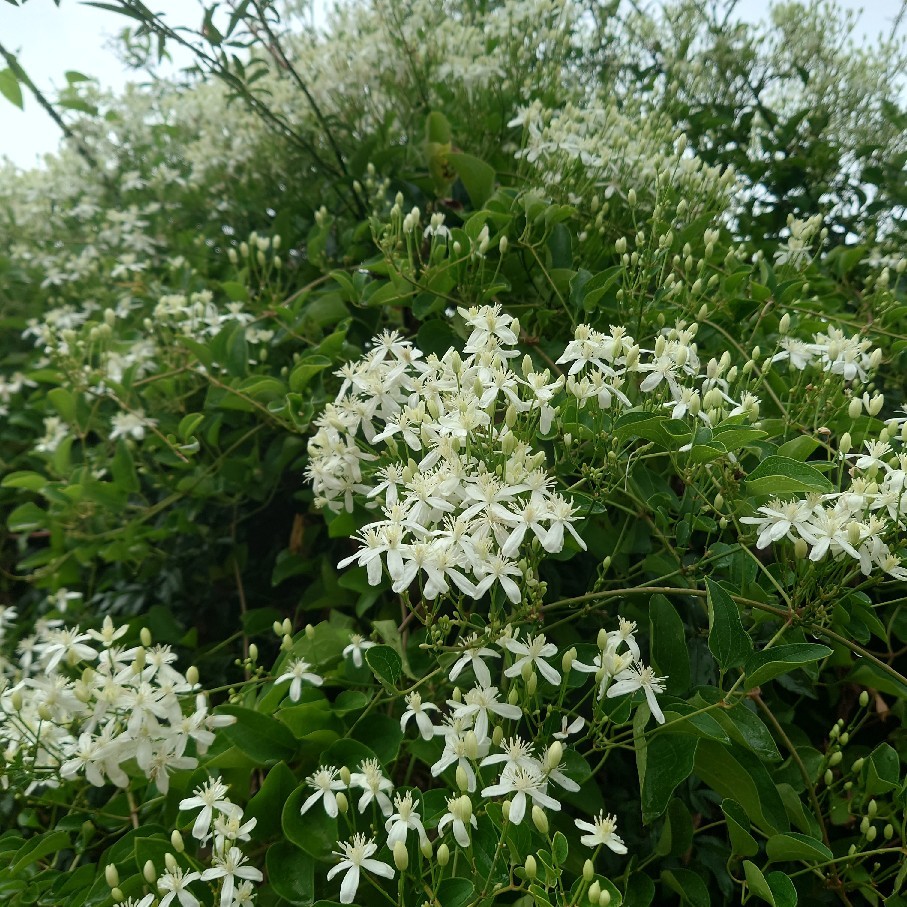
x=881, y=770
x=386, y=665
x=763, y=666
x=455, y=892
x=689, y=885
x=669, y=761
x=266, y=805
x=263, y=739
x=64, y=403
x=738, y=826
x=782, y=475
x=798, y=448
x=291, y=872
x=314, y=831
x=9, y=87
x=670, y=654
x=677, y=834
x=794, y=846
x=728, y=641
x=737, y=774
x=559, y=848
x=33, y=481
x=306, y=369
x=775, y=888
x=476, y=176
x=37, y=848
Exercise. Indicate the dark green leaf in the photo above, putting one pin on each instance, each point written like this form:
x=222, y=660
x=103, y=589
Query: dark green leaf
x=763, y=666
x=782, y=475
x=291, y=872
x=794, y=846
x=669, y=761
x=728, y=641
x=670, y=653
x=386, y=665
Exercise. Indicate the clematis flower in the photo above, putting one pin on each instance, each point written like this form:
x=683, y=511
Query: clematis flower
x=357, y=855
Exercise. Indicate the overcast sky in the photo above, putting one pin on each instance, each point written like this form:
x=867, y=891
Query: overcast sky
x=52, y=40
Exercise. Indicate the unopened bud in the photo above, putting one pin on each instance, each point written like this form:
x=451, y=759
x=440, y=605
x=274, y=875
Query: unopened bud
x=872, y=808
x=401, y=857
x=864, y=699
x=111, y=875
x=287, y=626
x=855, y=407
x=526, y=671
x=149, y=871
x=871, y=833
x=555, y=754
x=829, y=777
x=505, y=810
x=277, y=627
x=604, y=898
x=425, y=847
x=176, y=841
x=602, y=639
x=145, y=637
x=568, y=659
x=858, y=764
x=594, y=891
x=342, y=803
x=631, y=198
x=497, y=735
x=345, y=775
x=888, y=832
x=15, y=700
x=835, y=758
x=117, y=894
x=253, y=652
x=845, y=445
x=530, y=867
x=539, y=819
x=462, y=778
x=170, y=862
x=286, y=643
x=801, y=549
x=443, y=855
x=532, y=683
x=309, y=631
x=864, y=825
x=471, y=744
x=588, y=871
x=502, y=245
x=513, y=697
x=784, y=324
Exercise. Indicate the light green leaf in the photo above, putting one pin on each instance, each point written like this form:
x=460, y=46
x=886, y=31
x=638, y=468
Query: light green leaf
x=9, y=87
x=794, y=846
x=475, y=174
x=781, y=475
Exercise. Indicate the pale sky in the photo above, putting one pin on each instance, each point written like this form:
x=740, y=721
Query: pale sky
x=51, y=40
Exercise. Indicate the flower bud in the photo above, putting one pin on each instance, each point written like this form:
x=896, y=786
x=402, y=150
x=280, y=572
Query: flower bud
x=401, y=857
x=170, y=862
x=801, y=549
x=604, y=898
x=425, y=847
x=864, y=699
x=855, y=407
x=342, y=803
x=829, y=776
x=539, y=819
x=462, y=778
x=588, y=871
x=253, y=652
x=145, y=636
x=505, y=810
x=15, y=700
x=286, y=643
x=176, y=841
x=149, y=871
x=784, y=324
x=568, y=659
x=277, y=627
x=555, y=754
x=192, y=675
x=309, y=631
x=513, y=697
x=502, y=245
x=117, y=894
x=530, y=867
x=472, y=744
x=532, y=683
x=864, y=825
x=835, y=758
x=111, y=875
x=620, y=246
x=888, y=832
x=871, y=833
x=631, y=198
x=497, y=735
x=443, y=855
x=345, y=775
x=594, y=891
x=858, y=764
x=138, y=664
x=872, y=808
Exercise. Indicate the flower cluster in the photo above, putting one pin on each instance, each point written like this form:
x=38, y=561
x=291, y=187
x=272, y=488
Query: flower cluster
x=834, y=352
x=851, y=523
x=480, y=730
x=446, y=446
x=75, y=704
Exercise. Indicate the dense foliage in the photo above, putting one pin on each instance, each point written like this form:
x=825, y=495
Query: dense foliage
x=458, y=457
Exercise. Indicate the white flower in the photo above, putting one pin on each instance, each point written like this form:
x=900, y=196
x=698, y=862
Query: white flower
x=459, y=814
x=525, y=784
x=640, y=677
x=229, y=867
x=473, y=657
x=371, y=779
x=602, y=830
x=325, y=782
x=533, y=652
x=210, y=796
x=356, y=647
x=415, y=708
x=567, y=729
x=478, y=702
x=404, y=819
x=356, y=856
x=172, y=884
x=129, y=425
x=517, y=753
x=299, y=671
